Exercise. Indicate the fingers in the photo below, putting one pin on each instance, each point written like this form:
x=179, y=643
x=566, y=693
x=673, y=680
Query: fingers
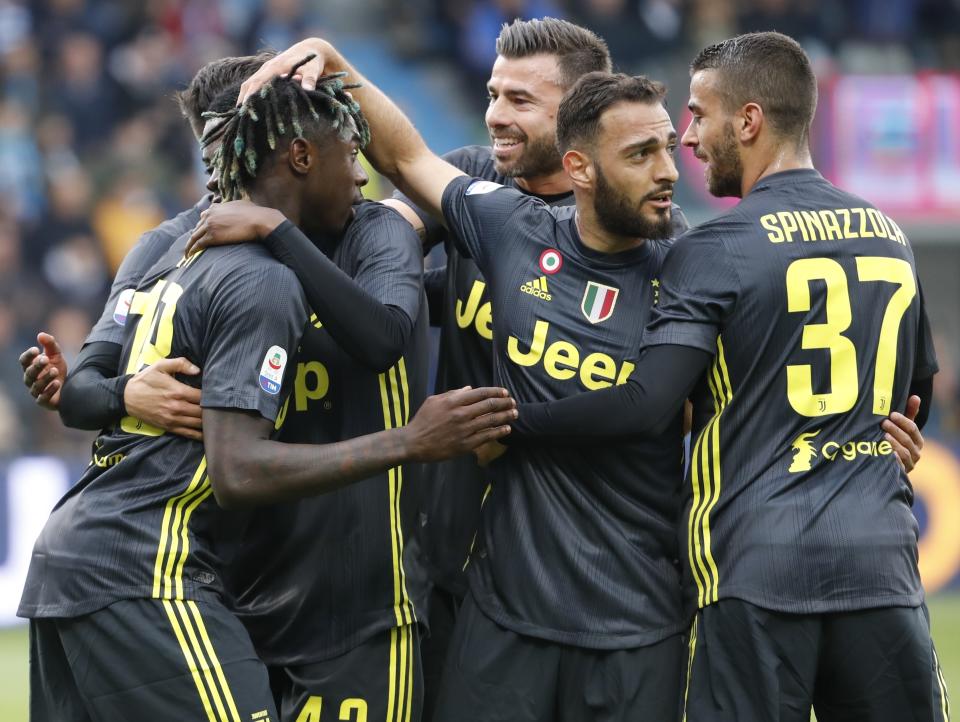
x=185, y=419
x=905, y=438
x=179, y=365
x=188, y=433
x=48, y=397
x=468, y=396
x=492, y=434
x=913, y=407
x=498, y=418
x=27, y=357
x=40, y=384
x=51, y=346
x=196, y=240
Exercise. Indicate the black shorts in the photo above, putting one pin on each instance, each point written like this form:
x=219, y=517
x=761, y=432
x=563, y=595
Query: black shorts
x=747, y=664
x=146, y=660
x=379, y=680
x=442, y=612
x=494, y=674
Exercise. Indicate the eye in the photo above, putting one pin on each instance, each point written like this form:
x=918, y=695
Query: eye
x=672, y=148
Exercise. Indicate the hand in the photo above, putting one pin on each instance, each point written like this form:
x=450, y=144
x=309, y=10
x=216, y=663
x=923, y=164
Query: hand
x=282, y=64
x=233, y=222
x=155, y=396
x=487, y=453
x=459, y=421
x=44, y=372
x=904, y=435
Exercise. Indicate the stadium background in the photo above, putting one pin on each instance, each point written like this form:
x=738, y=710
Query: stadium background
x=93, y=152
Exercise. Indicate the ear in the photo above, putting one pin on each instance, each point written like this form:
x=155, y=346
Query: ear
x=579, y=168
x=301, y=155
x=749, y=122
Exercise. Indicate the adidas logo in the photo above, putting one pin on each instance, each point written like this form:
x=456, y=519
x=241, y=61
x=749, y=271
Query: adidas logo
x=537, y=288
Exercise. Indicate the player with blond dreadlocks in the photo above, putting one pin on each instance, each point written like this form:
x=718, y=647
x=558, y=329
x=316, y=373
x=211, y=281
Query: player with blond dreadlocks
x=126, y=590
x=333, y=589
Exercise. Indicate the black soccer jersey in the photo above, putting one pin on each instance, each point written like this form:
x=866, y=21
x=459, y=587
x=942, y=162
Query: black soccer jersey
x=149, y=249
x=320, y=576
x=141, y=522
x=809, y=300
x=575, y=547
x=466, y=359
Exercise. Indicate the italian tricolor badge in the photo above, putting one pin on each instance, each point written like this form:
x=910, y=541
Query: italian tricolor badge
x=598, y=301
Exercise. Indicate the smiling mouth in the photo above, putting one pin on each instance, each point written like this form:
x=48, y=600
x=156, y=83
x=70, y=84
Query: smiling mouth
x=505, y=145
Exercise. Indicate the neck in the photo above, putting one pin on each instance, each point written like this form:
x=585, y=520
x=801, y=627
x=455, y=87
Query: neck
x=780, y=158
x=281, y=197
x=595, y=237
x=546, y=185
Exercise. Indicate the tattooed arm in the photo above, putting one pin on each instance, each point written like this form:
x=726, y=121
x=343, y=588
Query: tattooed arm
x=248, y=469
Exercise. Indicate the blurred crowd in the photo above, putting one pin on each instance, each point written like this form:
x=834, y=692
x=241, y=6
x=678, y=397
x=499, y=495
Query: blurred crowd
x=93, y=150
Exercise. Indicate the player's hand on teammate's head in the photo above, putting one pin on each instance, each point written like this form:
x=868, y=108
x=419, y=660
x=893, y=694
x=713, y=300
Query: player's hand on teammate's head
x=487, y=453
x=282, y=64
x=232, y=222
x=157, y=397
x=904, y=435
x=44, y=369
x=458, y=421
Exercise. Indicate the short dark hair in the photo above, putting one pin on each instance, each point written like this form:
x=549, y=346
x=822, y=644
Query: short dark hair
x=211, y=80
x=578, y=50
x=282, y=107
x=770, y=69
x=578, y=119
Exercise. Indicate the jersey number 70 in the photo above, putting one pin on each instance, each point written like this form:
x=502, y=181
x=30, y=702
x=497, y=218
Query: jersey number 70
x=844, y=380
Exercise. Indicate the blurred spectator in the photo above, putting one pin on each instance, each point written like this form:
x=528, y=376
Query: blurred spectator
x=21, y=179
x=84, y=93
x=481, y=26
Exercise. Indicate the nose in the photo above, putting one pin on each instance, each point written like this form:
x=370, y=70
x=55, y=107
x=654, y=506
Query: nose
x=689, y=138
x=213, y=183
x=360, y=177
x=497, y=115
x=667, y=169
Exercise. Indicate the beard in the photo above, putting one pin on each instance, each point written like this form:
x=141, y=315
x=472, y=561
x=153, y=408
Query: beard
x=620, y=215
x=539, y=158
x=725, y=169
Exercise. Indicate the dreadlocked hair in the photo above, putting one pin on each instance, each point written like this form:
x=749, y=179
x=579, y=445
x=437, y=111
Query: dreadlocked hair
x=281, y=108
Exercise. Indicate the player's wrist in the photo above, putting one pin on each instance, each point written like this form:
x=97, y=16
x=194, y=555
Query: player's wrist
x=268, y=220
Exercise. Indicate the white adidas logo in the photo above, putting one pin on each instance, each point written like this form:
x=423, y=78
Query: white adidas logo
x=537, y=288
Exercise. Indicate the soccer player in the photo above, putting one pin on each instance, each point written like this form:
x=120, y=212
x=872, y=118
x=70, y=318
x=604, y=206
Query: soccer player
x=537, y=62
x=797, y=322
x=574, y=609
x=332, y=588
x=130, y=564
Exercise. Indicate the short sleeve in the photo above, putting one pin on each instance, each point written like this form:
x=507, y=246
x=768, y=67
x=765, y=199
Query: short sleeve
x=477, y=213
x=148, y=250
x=698, y=289
x=389, y=262
x=469, y=160
x=926, y=364
x=256, y=317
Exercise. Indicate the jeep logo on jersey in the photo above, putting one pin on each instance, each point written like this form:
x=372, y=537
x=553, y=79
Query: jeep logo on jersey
x=271, y=370
x=551, y=261
x=123, y=306
x=805, y=453
x=598, y=301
